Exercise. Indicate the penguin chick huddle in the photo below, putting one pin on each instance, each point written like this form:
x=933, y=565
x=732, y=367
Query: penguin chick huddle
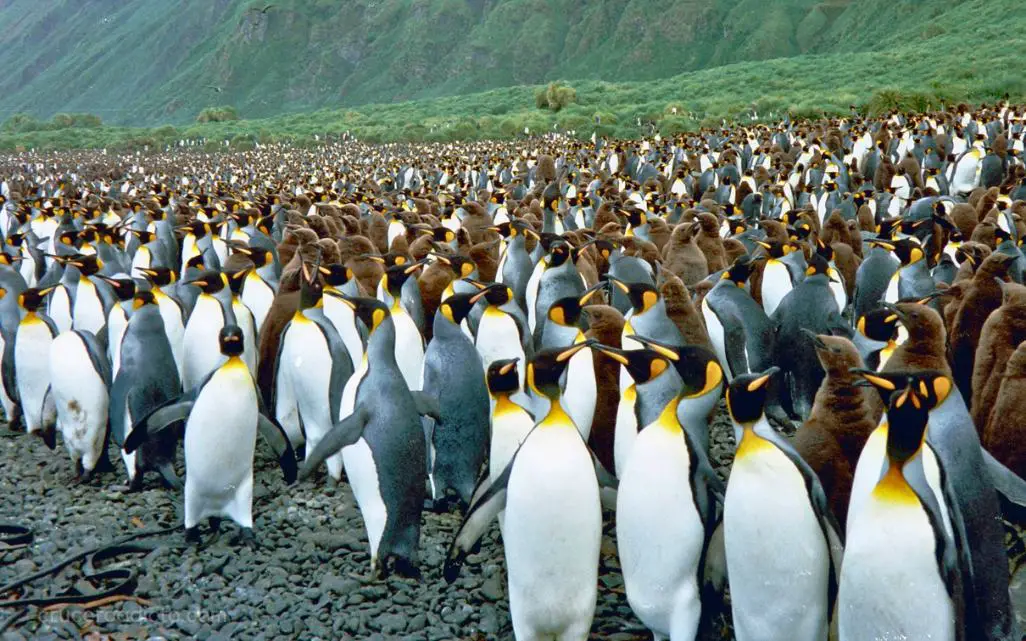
x=539, y=330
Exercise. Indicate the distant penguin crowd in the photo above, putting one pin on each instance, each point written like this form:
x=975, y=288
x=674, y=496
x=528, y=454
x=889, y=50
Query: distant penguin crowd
x=540, y=331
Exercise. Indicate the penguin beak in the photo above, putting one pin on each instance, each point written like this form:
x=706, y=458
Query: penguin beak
x=375, y=258
x=508, y=367
x=664, y=350
x=415, y=266
x=619, y=283
x=569, y=352
x=902, y=316
x=590, y=292
x=612, y=352
x=762, y=380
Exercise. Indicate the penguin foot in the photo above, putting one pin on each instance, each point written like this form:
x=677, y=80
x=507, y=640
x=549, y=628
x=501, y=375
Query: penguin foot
x=167, y=473
x=406, y=569
x=215, y=523
x=192, y=535
x=135, y=484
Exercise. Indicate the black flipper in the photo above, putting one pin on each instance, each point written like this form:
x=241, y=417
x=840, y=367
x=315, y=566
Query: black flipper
x=279, y=442
x=345, y=433
x=157, y=420
x=1011, y=487
x=427, y=405
x=49, y=432
x=479, y=516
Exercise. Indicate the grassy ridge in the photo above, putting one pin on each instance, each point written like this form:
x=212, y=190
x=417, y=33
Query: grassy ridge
x=958, y=61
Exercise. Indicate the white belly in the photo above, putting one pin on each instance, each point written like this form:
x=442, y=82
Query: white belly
x=80, y=397
x=409, y=349
x=776, y=283
x=891, y=295
x=309, y=370
x=870, y=467
x=141, y=260
x=258, y=298
x=659, y=533
x=499, y=339
x=245, y=322
x=532, y=292
x=890, y=586
x=88, y=312
x=171, y=314
x=363, y=477
x=32, y=362
x=778, y=563
x=581, y=391
x=343, y=318
x=220, y=438
x=509, y=430
x=552, y=534
x=117, y=323
x=626, y=430
x=202, y=353
x=58, y=308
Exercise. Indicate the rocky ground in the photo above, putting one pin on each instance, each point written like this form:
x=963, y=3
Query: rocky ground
x=307, y=577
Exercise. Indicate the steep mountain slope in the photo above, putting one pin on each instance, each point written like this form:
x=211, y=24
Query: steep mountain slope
x=153, y=61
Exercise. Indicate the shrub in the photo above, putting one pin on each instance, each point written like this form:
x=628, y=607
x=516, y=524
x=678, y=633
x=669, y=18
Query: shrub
x=555, y=96
x=218, y=114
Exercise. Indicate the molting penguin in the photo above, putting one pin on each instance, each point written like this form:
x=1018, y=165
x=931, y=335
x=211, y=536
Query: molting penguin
x=222, y=415
x=80, y=378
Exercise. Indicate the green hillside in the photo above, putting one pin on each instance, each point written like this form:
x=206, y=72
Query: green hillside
x=149, y=62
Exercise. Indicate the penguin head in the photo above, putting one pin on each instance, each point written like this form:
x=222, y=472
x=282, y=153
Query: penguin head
x=746, y=396
x=643, y=296
x=559, y=253
x=547, y=367
x=87, y=264
x=335, y=275
x=568, y=311
x=496, y=294
x=371, y=311
x=231, y=340
x=210, y=281
x=32, y=299
x=740, y=271
x=8, y=259
x=236, y=279
x=456, y=307
x=259, y=257
x=158, y=276
x=697, y=367
x=818, y=266
x=396, y=275
x=124, y=288
x=921, y=391
x=878, y=325
x=142, y=298
x=503, y=377
x=775, y=248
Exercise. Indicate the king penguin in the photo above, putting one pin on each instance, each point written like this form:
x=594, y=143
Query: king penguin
x=312, y=369
x=382, y=446
x=553, y=518
x=898, y=541
x=783, y=545
x=200, y=353
x=80, y=378
x=222, y=415
x=454, y=376
x=32, y=343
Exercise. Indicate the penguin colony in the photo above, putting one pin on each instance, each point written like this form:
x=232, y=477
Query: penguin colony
x=535, y=331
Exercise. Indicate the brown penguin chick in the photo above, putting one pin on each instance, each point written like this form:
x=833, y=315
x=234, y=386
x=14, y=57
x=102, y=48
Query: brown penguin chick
x=709, y=241
x=605, y=324
x=279, y=314
x=982, y=296
x=658, y=232
x=848, y=264
x=734, y=249
x=911, y=166
x=432, y=282
x=422, y=245
x=971, y=254
x=986, y=232
x=842, y=418
x=584, y=260
x=884, y=173
x=1004, y=436
x=1002, y=332
x=634, y=246
x=486, y=256
x=290, y=244
x=775, y=230
x=476, y=223
x=605, y=215
x=377, y=232
x=683, y=257
x=964, y=217
x=835, y=230
x=951, y=301
x=545, y=170
x=983, y=200
x=924, y=347
x=866, y=220
x=680, y=308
